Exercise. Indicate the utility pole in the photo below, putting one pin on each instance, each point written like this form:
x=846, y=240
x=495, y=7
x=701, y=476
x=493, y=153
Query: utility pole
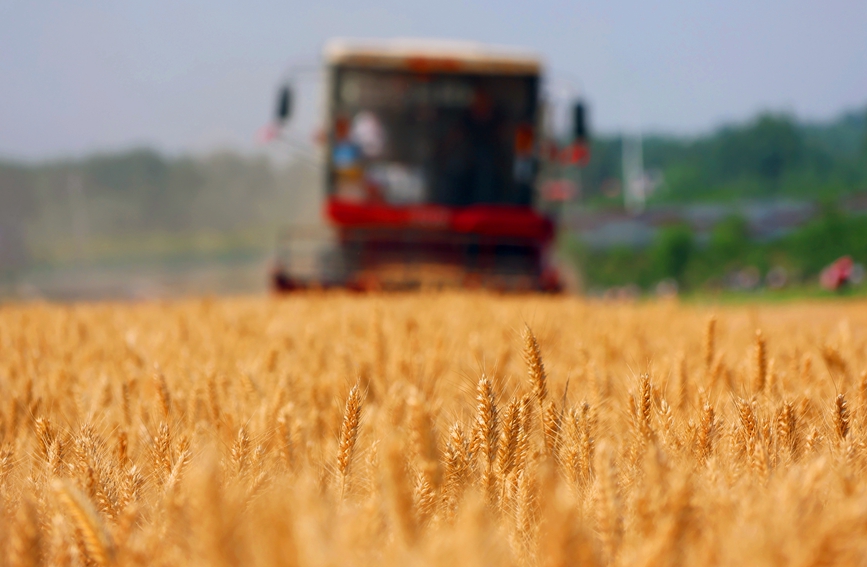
x=633, y=174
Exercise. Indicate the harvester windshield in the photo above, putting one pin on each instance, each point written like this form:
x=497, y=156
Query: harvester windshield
x=418, y=137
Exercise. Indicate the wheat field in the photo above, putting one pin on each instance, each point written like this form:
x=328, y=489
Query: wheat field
x=433, y=429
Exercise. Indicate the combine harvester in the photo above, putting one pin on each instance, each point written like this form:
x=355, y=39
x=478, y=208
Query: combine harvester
x=433, y=154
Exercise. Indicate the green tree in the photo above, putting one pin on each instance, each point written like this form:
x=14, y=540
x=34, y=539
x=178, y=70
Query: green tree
x=16, y=207
x=729, y=239
x=821, y=241
x=672, y=250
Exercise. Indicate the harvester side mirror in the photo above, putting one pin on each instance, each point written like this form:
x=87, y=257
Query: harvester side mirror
x=284, y=104
x=579, y=122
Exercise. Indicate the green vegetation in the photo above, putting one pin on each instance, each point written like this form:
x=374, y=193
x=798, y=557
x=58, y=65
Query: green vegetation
x=143, y=205
x=674, y=254
x=772, y=156
x=672, y=251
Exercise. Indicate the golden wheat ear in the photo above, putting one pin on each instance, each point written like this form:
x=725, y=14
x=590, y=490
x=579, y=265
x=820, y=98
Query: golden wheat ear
x=97, y=541
x=508, y=438
x=704, y=440
x=535, y=366
x=761, y=362
x=348, y=434
x=486, y=426
x=841, y=416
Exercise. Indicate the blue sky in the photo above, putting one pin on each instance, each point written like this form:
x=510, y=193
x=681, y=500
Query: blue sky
x=80, y=76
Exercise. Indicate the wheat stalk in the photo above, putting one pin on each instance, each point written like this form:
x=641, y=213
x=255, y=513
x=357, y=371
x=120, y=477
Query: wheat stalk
x=457, y=469
x=706, y=433
x=535, y=366
x=162, y=451
x=508, y=439
x=97, y=540
x=487, y=432
x=841, y=416
x=709, y=353
x=263, y=467
x=240, y=451
x=787, y=430
x=348, y=434
x=761, y=362
x=163, y=394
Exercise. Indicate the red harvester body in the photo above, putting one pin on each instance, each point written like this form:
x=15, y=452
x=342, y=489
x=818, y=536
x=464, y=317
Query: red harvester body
x=431, y=161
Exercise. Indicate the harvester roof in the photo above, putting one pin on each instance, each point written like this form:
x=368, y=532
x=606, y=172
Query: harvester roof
x=432, y=56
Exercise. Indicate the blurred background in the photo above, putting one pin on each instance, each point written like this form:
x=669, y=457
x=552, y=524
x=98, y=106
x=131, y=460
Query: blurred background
x=132, y=163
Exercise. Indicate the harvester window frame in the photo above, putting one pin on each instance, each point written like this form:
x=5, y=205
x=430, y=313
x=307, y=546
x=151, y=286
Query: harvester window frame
x=508, y=189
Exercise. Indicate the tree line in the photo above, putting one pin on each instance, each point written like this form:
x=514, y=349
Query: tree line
x=771, y=156
x=142, y=192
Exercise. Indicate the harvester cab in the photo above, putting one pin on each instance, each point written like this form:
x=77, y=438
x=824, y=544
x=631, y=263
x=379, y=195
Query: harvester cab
x=432, y=158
